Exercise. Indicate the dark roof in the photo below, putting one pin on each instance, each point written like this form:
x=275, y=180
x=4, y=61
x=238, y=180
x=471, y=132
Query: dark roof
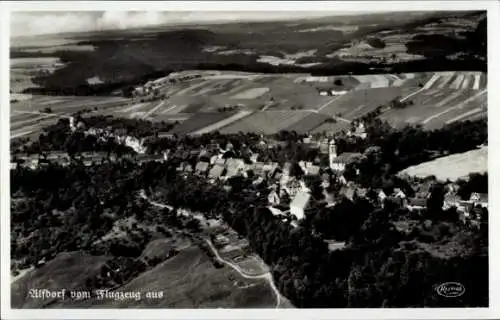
x=347, y=157
x=483, y=197
x=421, y=202
x=395, y=200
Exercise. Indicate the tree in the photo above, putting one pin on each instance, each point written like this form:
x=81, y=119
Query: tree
x=436, y=198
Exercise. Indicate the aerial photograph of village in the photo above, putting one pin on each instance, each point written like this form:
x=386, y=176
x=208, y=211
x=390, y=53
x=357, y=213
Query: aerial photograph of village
x=305, y=160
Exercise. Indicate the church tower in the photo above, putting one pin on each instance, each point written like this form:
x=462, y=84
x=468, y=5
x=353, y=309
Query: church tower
x=332, y=152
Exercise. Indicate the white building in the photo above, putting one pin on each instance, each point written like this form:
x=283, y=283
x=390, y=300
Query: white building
x=273, y=198
x=299, y=204
x=338, y=163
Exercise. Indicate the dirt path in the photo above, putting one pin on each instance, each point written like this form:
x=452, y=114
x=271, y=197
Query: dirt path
x=268, y=276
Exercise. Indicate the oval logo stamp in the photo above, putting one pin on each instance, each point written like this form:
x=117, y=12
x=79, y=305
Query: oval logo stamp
x=450, y=289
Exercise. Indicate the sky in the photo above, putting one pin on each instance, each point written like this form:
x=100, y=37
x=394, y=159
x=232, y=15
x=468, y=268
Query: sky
x=39, y=23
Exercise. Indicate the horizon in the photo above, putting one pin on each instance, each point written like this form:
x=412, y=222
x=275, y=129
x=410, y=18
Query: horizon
x=35, y=23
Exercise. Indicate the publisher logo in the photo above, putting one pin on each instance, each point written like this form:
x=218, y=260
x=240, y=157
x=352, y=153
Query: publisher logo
x=450, y=289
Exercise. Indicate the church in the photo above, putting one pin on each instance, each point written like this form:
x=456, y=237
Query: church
x=339, y=162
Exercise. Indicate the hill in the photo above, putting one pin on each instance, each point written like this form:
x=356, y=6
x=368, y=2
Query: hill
x=452, y=167
x=336, y=45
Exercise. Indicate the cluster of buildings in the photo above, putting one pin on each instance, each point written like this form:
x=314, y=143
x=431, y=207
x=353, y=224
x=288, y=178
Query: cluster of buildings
x=103, y=134
x=35, y=161
x=418, y=203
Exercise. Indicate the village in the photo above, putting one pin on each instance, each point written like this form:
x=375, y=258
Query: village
x=288, y=194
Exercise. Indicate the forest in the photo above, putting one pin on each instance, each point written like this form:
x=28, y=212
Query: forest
x=381, y=265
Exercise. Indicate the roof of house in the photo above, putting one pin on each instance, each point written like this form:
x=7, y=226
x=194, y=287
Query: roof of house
x=220, y=161
x=314, y=170
x=300, y=200
x=347, y=157
x=451, y=198
x=216, y=171
x=420, y=202
x=361, y=192
x=393, y=199
x=483, y=197
x=201, y=166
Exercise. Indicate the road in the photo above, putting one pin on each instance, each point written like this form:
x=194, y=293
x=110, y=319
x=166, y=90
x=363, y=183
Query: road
x=268, y=276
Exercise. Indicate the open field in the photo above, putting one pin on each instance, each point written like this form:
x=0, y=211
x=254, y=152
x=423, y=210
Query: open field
x=189, y=280
x=445, y=109
x=270, y=103
x=357, y=103
x=452, y=167
x=266, y=122
x=199, y=121
x=67, y=270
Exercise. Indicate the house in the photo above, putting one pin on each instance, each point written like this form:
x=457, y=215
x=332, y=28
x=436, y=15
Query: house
x=417, y=204
x=360, y=131
x=479, y=199
x=273, y=198
x=234, y=167
x=337, y=93
x=257, y=181
x=216, y=171
x=398, y=198
x=399, y=202
x=214, y=158
x=220, y=162
x=269, y=168
x=398, y=193
x=342, y=180
x=381, y=196
x=293, y=187
x=311, y=169
x=339, y=163
x=201, y=167
x=450, y=200
x=299, y=204
x=254, y=157
x=348, y=192
x=276, y=211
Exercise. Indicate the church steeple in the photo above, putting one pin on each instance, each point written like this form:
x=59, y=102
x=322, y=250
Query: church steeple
x=332, y=152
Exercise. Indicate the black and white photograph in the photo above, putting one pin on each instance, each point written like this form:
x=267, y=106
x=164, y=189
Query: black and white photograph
x=247, y=159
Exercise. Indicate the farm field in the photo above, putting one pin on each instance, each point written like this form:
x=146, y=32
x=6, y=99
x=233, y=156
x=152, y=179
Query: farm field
x=266, y=122
x=357, y=103
x=27, y=121
x=452, y=167
x=460, y=106
x=199, y=121
x=308, y=123
x=331, y=127
x=270, y=103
